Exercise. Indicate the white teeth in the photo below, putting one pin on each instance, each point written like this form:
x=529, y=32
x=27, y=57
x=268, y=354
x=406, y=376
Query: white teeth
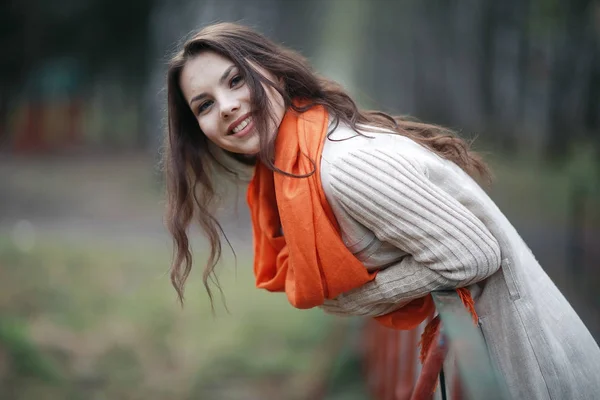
x=242, y=125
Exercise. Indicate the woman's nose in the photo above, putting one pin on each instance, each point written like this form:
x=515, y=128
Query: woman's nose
x=229, y=107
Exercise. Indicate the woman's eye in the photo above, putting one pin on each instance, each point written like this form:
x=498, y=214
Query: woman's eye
x=204, y=106
x=236, y=80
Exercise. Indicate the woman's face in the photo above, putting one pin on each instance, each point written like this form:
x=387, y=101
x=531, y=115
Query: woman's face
x=220, y=99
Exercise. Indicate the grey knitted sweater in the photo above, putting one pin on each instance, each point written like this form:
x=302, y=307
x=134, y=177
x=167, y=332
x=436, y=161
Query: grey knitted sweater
x=426, y=225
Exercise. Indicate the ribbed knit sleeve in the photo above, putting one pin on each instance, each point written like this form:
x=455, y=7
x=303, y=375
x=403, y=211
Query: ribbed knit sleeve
x=448, y=247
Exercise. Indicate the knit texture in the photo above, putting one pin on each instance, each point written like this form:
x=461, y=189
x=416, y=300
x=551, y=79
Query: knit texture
x=535, y=338
x=390, y=194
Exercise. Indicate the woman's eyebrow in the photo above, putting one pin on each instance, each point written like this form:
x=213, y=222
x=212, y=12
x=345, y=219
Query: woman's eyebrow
x=221, y=80
x=226, y=74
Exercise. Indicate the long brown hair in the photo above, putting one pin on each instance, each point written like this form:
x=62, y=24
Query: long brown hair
x=191, y=162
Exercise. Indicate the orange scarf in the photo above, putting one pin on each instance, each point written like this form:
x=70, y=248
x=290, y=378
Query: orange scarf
x=311, y=263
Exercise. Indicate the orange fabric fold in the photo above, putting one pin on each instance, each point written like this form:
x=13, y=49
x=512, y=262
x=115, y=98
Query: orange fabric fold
x=310, y=263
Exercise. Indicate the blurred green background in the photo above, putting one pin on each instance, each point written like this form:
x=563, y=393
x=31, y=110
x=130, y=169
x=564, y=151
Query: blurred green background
x=86, y=306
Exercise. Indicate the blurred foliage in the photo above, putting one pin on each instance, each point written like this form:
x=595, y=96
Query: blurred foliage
x=105, y=317
x=544, y=189
x=23, y=358
x=584, y=168
x=84, y=317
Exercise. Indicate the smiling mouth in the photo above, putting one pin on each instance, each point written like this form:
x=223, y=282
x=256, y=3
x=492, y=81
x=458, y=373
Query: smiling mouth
x=240, y=127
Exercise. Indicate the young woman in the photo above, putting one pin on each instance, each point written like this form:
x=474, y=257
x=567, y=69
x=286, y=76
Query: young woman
x=359, y=212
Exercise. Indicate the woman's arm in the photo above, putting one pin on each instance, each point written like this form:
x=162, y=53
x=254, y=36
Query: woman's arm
x=391, y=195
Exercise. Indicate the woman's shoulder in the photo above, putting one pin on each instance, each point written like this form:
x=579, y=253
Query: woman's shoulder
x=374, y=155
x=343, y=142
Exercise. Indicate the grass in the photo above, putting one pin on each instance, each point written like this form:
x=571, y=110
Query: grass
x=82, y=317
x=105, y=317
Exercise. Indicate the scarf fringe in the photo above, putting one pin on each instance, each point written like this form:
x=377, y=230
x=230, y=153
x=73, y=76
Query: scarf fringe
x=432, y=329
x=429, y=335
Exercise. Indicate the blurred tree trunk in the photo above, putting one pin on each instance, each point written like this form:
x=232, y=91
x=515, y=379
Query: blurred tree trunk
x=342, y=41
x=592, y=109
x=488, y=26
x=4, y=107
x=523, y=17
x=569, y=55
x=386, y=67
x=296, y=24
x=431, y=53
